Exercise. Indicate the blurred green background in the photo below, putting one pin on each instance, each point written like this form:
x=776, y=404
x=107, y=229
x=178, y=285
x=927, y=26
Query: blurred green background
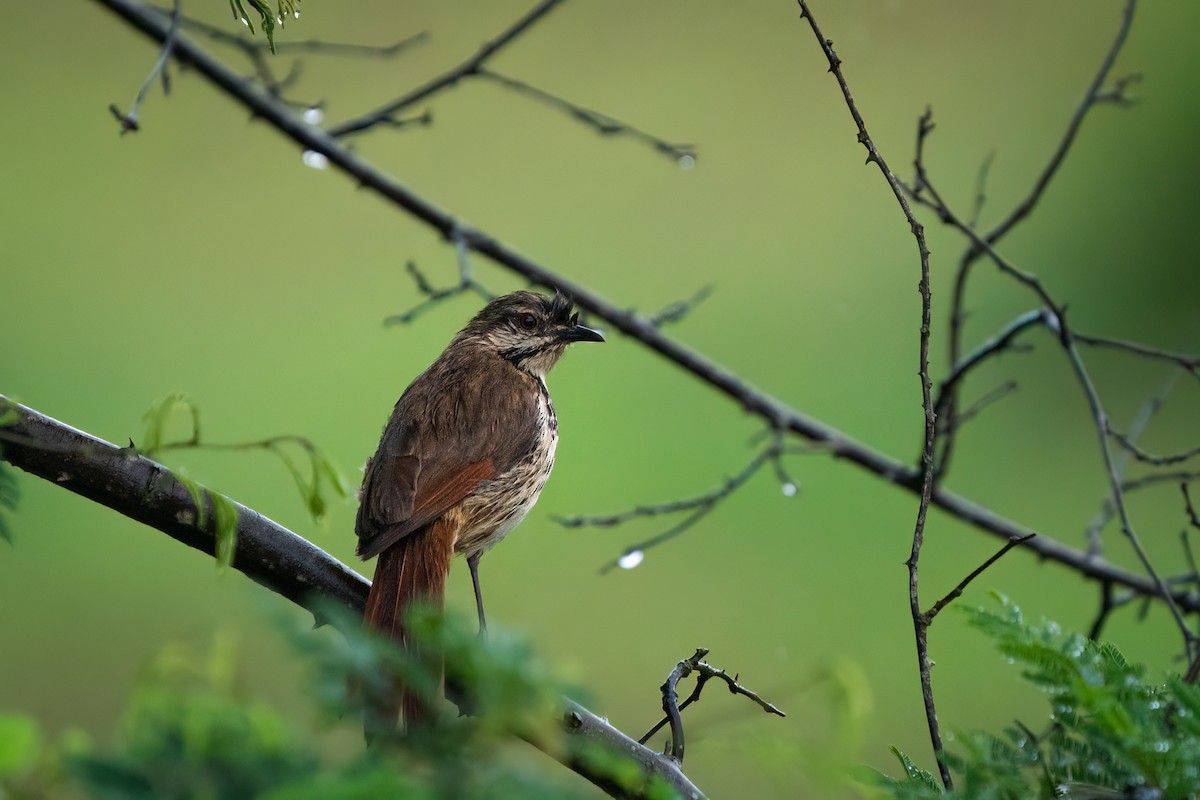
x=200, y=255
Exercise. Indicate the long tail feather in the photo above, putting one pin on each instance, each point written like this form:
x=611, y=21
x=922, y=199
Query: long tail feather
x=413, y=570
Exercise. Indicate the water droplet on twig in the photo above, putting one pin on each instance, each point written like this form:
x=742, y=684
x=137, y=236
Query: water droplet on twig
x=312, y=158
x=630, y=559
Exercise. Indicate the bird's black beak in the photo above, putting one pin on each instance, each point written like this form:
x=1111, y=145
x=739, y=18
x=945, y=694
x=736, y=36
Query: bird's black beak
x=580, y=333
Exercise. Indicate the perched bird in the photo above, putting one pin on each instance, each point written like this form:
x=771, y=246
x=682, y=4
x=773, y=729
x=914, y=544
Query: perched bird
x=462, y=459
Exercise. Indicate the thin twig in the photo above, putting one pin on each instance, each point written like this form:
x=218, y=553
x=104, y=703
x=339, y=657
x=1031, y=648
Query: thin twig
x=1186, y=361
x=1091, y=97
x=930, y=415
x=1150, y=458
x=672, y=708
x=466, y=69
x=956, y=592
x=129, y=121
x=988, y=398
x=682, y=154
x=1189, y=509
x=997, y=344
x=676, y=311
x=1140, y=420
x=1057, y=323
x=699, y=506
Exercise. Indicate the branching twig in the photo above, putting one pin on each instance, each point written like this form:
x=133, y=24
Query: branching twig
x=1186, y=361
x=466, y=69
x=682, y=154
x=1056, y=321
x=927, y=405
x=1092, y=97
x=999, y=343
x=1149, y=458
x=672, y=708
x=699, y=506
x=988, y=398
x=129, y=121
x=956, y=592
x=1189, y=509
x=433, y=296
x=676, y=311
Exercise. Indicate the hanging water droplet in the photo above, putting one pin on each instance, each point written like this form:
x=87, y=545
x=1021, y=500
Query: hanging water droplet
x=246, y=22
x=788, y=489
x=630, y=559
x=312, y=158
x=296, y=14
x=686, y=161
x=313, y=116
x=279, y=20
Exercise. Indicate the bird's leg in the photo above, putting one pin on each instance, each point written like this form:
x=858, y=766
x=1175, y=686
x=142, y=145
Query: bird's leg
x=473, y=565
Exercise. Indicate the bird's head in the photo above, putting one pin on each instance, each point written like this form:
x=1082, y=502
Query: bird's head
x=529, y=330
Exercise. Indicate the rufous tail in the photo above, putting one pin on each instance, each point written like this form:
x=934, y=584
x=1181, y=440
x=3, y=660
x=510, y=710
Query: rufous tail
x=413, y=570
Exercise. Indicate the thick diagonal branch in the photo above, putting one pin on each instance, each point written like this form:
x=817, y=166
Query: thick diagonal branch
x=268, y=553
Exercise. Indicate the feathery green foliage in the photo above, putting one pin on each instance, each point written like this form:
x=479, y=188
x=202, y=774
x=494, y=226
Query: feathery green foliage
x=268, y=17
x=1111, y=732
x=190, y=733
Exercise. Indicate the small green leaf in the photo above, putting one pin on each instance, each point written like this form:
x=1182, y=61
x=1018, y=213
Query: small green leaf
x=159, y=416
x=226, y=533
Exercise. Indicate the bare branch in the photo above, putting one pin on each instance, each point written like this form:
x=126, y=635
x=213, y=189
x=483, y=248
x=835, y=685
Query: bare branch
x=927, y=403
x=1150, y=458
x=989, y=398
x=1190, y=510
x=1056, y=321
x=999, y=343
x=129, y=121
x=682, y=154
x=675, y=312
x=700, y=505
x=466, y=69
x=1091, y=98
x=1186, y=361
x=956, y=592
x=672, y=708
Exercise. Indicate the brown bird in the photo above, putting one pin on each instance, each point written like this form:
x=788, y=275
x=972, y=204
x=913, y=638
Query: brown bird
x=462, y=459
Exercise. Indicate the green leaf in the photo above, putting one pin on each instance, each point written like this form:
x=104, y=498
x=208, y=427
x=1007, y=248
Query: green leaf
x=915, y=773
x=158, y=417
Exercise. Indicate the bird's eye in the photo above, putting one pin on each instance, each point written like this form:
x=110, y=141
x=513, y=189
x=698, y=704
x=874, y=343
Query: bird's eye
x=528, y=321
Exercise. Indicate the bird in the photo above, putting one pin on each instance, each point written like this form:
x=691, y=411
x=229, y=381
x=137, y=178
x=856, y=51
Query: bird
x=461, y=461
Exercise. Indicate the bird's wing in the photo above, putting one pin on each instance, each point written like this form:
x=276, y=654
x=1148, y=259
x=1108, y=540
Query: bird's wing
x=440, y=444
